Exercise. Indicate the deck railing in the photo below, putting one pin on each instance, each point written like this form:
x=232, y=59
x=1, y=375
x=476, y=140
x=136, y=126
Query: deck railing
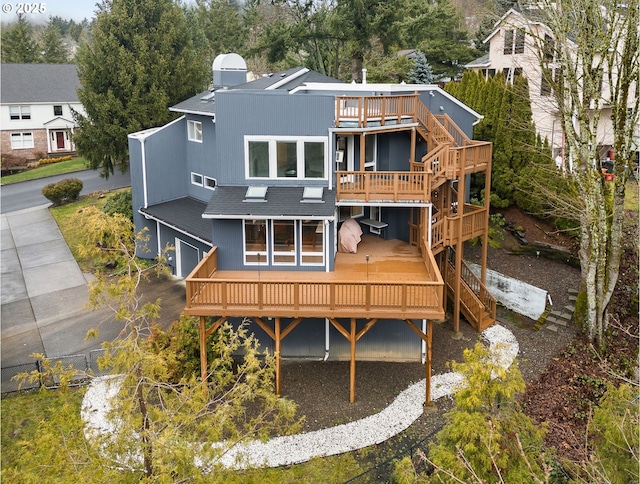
x=231, y=293
x=474, y=296
x=380, y=110
x=383, y=185
x=473, y=224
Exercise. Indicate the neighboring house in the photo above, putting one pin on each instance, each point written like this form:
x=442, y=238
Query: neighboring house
x=266, y=187
x=36, y=102
x=513, y=51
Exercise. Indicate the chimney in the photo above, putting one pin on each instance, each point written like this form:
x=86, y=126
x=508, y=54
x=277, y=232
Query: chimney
x=229, y=70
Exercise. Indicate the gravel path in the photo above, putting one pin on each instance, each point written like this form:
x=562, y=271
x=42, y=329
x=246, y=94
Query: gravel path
x=374, y=429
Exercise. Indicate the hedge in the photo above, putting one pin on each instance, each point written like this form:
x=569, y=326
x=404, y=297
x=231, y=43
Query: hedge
x=66, y=190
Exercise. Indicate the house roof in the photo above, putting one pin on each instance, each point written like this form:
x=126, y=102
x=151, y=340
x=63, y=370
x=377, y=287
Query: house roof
x=479, y=62
x=39, y=83
x=204, y=103
x=229, y=202
x=183, y=214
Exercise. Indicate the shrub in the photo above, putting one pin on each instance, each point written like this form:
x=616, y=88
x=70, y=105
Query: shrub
x=121, y=203
x=47, y=161
x=66, y=190
x=11, y=162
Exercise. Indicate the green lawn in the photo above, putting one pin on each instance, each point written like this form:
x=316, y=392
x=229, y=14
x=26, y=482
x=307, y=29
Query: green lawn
x=51, y=169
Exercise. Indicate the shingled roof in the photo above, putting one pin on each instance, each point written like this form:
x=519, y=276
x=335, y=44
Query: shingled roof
x=39, y=83
x=280, y=201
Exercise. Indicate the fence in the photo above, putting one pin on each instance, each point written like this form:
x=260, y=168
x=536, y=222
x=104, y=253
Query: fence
x=83, y=363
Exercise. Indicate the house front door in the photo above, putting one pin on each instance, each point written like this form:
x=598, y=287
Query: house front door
x=60, y=140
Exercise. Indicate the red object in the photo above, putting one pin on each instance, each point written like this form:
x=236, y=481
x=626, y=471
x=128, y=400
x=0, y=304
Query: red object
x=608, y=176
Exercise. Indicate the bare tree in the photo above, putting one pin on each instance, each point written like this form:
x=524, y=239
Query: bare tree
x=588, y=52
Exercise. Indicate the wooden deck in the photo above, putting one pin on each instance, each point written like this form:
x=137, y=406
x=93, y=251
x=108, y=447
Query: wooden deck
x=395, y=283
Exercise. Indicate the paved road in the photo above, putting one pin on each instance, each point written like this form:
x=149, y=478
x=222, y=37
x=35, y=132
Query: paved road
x=28, y=194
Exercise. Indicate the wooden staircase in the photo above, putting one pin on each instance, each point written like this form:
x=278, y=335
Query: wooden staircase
x=443, y=162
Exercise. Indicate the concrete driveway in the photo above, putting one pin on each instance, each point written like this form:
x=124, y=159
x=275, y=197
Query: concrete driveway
x=44, y=294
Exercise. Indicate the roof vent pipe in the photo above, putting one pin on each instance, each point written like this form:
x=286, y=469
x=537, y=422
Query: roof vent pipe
x=364, y=76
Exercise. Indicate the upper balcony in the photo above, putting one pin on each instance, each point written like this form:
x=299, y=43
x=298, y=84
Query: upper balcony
x=393, y=282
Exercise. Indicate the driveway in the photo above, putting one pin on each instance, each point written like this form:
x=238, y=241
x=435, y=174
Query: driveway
x=44, y=294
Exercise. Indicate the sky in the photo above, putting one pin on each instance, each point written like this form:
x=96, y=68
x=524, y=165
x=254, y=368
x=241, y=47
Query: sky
x=66, y=9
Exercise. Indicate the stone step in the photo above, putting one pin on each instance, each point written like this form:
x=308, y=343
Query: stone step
x=573, y=298
x=573, y=292
x=561, y=322
x=552, y=328
x=570, y=308
x=568, y=317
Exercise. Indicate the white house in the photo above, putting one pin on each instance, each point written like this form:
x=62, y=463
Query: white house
x=514, y=51
x=36, y=102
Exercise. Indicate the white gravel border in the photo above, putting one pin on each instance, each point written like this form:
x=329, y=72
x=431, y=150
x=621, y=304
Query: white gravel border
x=294, y=449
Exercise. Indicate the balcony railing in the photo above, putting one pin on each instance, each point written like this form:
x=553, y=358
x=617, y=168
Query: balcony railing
x=393, y=186
x=474, y=224
x=310, y=294
x=364, y=111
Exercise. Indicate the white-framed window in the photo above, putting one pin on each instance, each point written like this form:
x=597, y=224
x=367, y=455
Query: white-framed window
x=21, y=141
x=312, y=250
x=197, y=179
x=20, y=112
x=286, y=157
x=210, y=183
x=284, y=242
x=254, y=235
x=279, y=242
x=194, y=130
x=57, y=110
x=350, y=212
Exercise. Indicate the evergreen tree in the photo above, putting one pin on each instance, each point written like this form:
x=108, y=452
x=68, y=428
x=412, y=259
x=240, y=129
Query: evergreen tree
x=421, y=73
x=18, y=45
x=53, y=49
x=435, y=29
x=507, y=123
x=222, y=25
x=487, y=437
x=140, y=61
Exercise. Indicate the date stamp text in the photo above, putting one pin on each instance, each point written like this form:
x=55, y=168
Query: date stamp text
x=24, y=8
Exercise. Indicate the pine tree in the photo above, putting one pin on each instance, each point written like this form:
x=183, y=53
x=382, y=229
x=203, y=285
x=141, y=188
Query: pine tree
x=18, y=45
x=141, y=60
x=53, y=49
x=421, y=73
x=487, y=437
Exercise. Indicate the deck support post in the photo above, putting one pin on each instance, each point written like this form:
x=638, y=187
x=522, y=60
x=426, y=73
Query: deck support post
x=459, y=247
x=277, y=355
x=352, y=373
x=427, y=393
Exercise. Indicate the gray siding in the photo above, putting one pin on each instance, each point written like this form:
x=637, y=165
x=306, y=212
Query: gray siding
x=240, y=113
x=388, y=339
x=201, y=157
x=135, y=168
x=463, y=118
x=168, y=237
x=165, y=162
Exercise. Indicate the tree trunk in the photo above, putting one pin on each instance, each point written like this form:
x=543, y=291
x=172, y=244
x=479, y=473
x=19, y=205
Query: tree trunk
x=147, y=445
